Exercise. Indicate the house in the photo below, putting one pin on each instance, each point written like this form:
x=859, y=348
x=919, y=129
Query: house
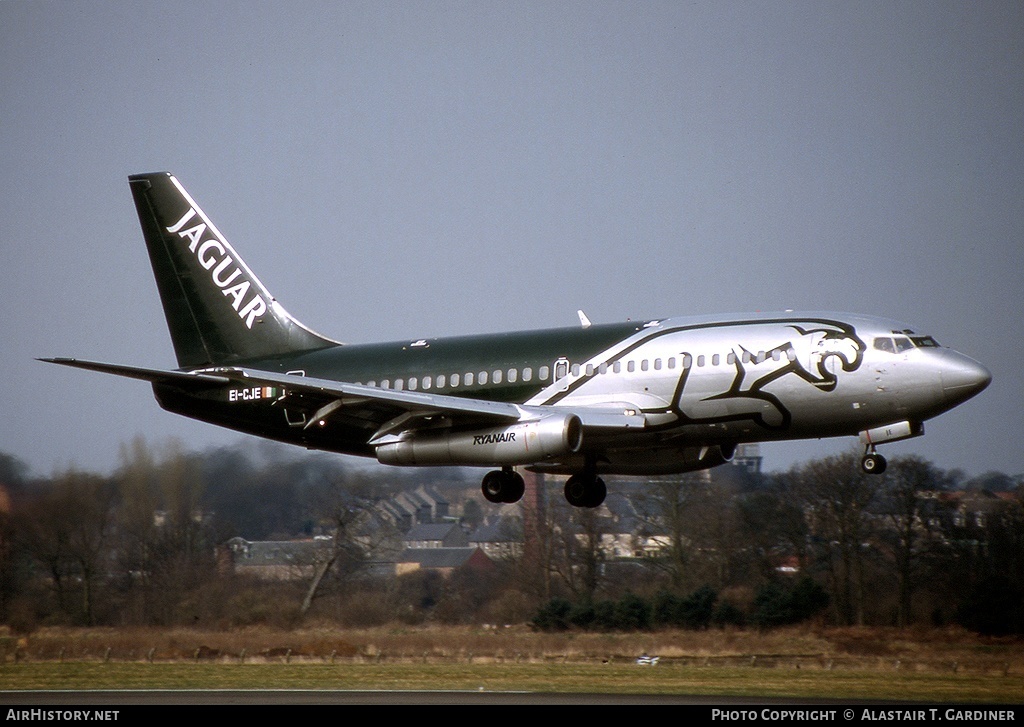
x=435, y=535
x=442, y=560
x=500, y=538
x=275, y=560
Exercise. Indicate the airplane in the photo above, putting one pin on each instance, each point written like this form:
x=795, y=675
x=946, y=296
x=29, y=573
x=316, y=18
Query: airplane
x=649, y=397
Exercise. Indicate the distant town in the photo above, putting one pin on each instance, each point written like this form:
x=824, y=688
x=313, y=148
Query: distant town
x=240, y=536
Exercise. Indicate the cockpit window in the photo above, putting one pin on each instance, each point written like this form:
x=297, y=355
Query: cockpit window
x=902, y=344
x=899, y=344
x=885, y=344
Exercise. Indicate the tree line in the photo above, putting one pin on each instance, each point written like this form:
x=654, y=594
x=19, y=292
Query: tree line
x=916, y=546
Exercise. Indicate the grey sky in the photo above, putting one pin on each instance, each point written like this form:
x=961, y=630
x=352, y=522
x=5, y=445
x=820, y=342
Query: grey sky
x=406, y=169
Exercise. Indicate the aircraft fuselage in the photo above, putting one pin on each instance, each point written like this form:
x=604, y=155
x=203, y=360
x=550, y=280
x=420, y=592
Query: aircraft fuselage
x=689, y=383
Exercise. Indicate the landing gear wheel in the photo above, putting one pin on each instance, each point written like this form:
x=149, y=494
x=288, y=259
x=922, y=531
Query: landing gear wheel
x=873, y=464
x=598, y=492
x=503, y=486
x=493, y=486
x=584, y=491
x=516, y=486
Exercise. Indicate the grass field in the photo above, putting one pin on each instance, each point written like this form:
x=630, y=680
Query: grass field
x=949, y=667
x=588, y=678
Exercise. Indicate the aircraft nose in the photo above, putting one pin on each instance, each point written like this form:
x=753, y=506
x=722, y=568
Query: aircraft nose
x=962, y=378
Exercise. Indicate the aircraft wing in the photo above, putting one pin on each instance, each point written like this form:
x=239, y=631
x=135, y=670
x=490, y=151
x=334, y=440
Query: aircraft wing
x=392, y=411
x=409, y=406
x=380, y=411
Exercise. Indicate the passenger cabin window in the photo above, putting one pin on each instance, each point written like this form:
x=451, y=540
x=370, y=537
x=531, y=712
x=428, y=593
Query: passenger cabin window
x=496, y=376
x=543, y=373
x=527, y=374
x=716, y=359
x=513, y=376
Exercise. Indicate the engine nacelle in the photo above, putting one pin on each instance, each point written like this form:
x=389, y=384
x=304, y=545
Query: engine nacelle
x=556, y=435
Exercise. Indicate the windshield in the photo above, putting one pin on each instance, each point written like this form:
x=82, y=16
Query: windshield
x=899, y=344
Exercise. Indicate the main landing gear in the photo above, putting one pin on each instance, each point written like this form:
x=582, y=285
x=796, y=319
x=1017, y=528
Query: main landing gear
x=872, y=462
x=585, y=490
x=503, y=486
x=506, y=485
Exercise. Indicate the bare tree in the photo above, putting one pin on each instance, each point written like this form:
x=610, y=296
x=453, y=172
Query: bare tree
x=773, y=527
x=343, y=507
x=835, y=493
x=576, y=553
x=669, y=507
x=138, y=535
x=68, y=531
x=166, y=549
x=906, y=483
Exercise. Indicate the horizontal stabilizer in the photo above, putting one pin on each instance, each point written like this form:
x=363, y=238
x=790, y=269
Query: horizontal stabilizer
x=143, y=374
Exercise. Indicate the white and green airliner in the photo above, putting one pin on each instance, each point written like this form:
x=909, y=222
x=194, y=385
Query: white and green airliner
x=640, y=398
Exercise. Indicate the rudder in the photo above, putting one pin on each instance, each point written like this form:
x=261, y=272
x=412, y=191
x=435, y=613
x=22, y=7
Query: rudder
x=217, y=310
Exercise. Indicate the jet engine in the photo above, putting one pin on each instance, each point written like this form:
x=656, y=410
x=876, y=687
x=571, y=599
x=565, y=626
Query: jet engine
x=555, y=435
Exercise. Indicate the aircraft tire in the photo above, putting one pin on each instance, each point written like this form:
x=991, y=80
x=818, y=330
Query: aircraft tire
x=596, y=493
x=576, y=491
x=514, y=487
x=493, y=486
x=583, y=491
x=873, y=464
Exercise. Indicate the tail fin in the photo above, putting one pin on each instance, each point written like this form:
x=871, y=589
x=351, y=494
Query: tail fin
x=216, y=309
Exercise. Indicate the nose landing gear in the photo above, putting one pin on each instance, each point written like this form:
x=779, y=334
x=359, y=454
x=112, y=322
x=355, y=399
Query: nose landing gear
x=872, y=463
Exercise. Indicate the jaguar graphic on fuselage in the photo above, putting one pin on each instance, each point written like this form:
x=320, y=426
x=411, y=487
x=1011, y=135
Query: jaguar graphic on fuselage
x=650, y=397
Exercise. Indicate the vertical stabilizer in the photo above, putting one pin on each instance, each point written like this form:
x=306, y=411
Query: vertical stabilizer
x=217, y=310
